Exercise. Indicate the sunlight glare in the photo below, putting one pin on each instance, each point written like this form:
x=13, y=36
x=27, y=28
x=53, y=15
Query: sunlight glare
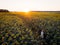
x=26, y=10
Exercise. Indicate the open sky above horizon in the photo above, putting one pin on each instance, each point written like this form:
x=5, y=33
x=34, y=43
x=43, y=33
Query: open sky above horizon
x=35, y=5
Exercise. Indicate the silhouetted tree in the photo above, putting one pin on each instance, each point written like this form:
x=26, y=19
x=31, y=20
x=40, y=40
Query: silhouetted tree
x=3, y=10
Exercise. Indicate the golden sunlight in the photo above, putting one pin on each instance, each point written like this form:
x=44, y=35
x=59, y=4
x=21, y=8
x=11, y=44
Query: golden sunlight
x=26, y=10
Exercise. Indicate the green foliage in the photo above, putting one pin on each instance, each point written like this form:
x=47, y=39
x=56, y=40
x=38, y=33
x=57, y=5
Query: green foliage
x=13, y=30
x=19, y=30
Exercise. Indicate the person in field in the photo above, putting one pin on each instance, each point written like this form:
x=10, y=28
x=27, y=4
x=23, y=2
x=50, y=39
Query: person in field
x=42, y=34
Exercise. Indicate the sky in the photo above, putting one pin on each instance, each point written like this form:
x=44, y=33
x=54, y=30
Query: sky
x=32, y=5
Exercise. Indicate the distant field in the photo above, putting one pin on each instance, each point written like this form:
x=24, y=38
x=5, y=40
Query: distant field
x=24, y=28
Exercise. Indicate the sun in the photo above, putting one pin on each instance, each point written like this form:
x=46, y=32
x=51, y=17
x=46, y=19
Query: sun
x=26, y=10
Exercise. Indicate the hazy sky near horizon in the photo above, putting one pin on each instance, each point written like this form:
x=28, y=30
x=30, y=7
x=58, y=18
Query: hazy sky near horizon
x=22, y=5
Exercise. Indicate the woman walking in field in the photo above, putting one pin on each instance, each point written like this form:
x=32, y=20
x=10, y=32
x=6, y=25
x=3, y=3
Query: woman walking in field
x=42, y=34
